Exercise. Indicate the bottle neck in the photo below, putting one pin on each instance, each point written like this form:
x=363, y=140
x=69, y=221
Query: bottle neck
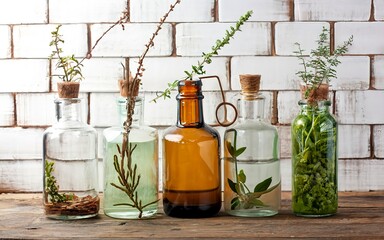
x=137, y=114
x=190, y=104
x=315, y=107
x=68, y=109
x=251, y=108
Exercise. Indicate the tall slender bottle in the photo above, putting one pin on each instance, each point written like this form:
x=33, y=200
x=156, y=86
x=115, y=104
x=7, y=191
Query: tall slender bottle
x=191, y=159
x=251, y=163
x=117, y=202
x=70, y=164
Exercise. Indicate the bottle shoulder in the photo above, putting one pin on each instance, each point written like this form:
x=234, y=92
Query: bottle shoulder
x=137, y=134
x=253, y=125
x=202, y=132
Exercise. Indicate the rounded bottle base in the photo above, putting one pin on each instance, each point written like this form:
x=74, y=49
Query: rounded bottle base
x=71, y=217
x=118, y=214
x=314, y=215
x=253, y=213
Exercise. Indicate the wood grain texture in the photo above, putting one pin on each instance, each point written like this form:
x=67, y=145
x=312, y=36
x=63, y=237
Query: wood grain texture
x=361, y=215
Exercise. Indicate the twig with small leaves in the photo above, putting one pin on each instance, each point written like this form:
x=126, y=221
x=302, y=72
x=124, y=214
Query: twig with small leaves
x=207, y=57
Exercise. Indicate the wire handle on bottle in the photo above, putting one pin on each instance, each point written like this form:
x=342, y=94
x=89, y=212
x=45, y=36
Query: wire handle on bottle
x=224, y=103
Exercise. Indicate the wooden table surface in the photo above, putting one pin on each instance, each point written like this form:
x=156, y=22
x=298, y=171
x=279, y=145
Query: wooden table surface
x=360, y=216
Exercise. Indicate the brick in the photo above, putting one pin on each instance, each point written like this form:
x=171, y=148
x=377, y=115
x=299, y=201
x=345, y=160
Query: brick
x=103, y=109
x=277, y=73
x=100, y=74
x=285, y=141
x=360, y=175
x=7, y=110
x=329, y=10
x=263, y=10
x=289, y=33
x=131, y=41
x=352, y=74
x=21, y=143
x=32, y=41
x=32, y=75
x=359, y=107
x=28, y=104
x=85, y=12
x=378, y=72
x=194, y=38
x=23, y=11
x=152, y=11
x=5, y=42
x=378, y=141
x=354, y=141
x=161, y=71
x=379, y=9
x=161, y=113
x=365, y=35
x=287, y=106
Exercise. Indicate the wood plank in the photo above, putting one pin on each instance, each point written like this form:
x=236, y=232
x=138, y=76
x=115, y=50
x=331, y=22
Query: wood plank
x=360, y=215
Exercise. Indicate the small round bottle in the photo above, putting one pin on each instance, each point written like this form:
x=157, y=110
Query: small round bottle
x=70, y=165
x=251, y=158
x=191, y=159
x=144, y=166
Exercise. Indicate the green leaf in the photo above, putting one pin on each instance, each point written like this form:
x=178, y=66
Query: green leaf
x=264, y=185
x=232, y=185
x=234, y=203
x=239, y=151
x=241, y=176
x=230, y=149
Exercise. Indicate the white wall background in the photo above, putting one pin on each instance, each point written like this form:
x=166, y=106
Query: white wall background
x=264, y=46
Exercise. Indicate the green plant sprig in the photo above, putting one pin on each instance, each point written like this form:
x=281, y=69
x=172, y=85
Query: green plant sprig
x=206, y=57
x=52, y=188
x=245, y=198
x=321, y=66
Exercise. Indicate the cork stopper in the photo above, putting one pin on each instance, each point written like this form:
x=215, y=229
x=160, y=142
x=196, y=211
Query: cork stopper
x=124, y=84
x=250, y=85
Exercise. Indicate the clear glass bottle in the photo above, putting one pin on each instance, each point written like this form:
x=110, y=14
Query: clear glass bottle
x=70, y=164
x=314, y=160
x=117, y=203
x=252, y=184
x=191, y=159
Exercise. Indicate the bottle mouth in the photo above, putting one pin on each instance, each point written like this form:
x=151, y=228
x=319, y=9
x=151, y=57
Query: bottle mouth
x=190, y=89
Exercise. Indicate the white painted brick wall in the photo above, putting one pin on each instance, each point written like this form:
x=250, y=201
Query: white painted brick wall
x=24, y=75
x=331, y=10
x=21, y=143
x=378, y=72
x=85, y=11
x=379, y=9
x=32, y=41
x=7, y=110
x=378, y=139
x=5, y=42
x=131, y=41
x=263, y=10
x=194, y=38
x=352, y=74
x=161, y=71
x=354, y=141
x=152, y=11
x=366, y=36
x=285, y=141
x=277, y=73
x=100, y=74
x=360, y=107
x=23, y=11
x=288, y=108
x=161, y=113
x=103, y=109
x=305, y=33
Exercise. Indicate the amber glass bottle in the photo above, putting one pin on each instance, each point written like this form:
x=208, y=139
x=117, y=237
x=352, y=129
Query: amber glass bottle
x=191, y=159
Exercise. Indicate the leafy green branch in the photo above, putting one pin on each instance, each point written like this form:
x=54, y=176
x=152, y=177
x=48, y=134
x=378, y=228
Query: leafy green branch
x=51, y=187
x=321, y=65
x=206, y=57
x=129, y=179
x=245, y=198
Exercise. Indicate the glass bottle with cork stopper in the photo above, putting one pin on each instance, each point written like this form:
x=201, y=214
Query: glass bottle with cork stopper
x=130, y=182
x=252, y=185
x=191, y=159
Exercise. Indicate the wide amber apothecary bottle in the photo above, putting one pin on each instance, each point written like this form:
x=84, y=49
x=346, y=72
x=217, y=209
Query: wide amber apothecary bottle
x=252, y=183
x=191, y=159
x=140, y=201
x=70, y=164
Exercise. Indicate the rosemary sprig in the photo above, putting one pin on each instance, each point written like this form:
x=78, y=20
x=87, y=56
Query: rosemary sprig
x=206, y=57
x=320, y=67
